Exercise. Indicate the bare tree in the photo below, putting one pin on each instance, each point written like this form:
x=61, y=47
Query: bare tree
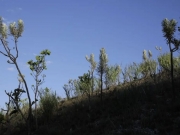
x=69, y=88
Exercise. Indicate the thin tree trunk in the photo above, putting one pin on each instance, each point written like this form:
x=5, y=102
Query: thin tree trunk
x=36, y=102
x=101, y=86
x=92, y=87
x=172, y=74
x=172, y=70
x=30, y=109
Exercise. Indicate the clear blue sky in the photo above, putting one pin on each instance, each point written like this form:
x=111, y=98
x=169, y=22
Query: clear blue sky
x=71, y=29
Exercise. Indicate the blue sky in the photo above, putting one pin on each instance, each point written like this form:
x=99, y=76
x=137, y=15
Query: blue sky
x=71, y=29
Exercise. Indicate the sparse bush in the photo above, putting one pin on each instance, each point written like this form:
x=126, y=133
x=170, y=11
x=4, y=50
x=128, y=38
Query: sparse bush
x=48, y=103
x=148, y=66
x=133, y=71
x=165, y=62
x=112, y=75
x=85, y=84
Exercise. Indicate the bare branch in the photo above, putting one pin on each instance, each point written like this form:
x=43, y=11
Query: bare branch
x=10, y=62
x=4, y=54
x=5, y=44
x=16, y=103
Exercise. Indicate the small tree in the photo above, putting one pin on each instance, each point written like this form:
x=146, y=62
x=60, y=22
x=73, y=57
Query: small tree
x=102, y=65
x=15, y=30
x=93, y=67
x=85, y=83
x=112, y=75
x=168, y=29
x=37, y=67
x=133, y=71
x=148, y=66
x=165, y=62
x=68, y=88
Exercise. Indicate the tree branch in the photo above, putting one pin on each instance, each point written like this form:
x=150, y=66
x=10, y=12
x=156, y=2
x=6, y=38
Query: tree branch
x=4, y=54
x=4, y=43
x=16, y=102
x=16, y=48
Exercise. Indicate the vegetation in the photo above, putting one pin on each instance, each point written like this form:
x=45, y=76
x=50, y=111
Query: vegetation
x=68, y=88
x=48, y=104
x=112, y=76
x=85, y=84
x=15, y=31
x=102, y=66
x=169, y=28
x=140, y=104
x=93, y=67
x=15, y=97
x=37, y=68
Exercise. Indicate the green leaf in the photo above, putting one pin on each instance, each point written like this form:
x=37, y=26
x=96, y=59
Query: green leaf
x=37, y=58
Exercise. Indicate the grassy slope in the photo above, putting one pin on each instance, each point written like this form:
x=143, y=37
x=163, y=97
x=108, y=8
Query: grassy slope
x=138, y=108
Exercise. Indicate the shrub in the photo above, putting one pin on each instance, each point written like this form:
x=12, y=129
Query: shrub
x=48, y=103
x=1, y=117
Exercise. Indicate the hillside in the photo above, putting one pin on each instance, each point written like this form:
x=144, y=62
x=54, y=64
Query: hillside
x=136, y=108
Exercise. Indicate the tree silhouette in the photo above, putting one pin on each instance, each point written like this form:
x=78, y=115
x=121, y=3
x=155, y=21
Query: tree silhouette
x=168, y=29
x=102, y=66
x=15, y=30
